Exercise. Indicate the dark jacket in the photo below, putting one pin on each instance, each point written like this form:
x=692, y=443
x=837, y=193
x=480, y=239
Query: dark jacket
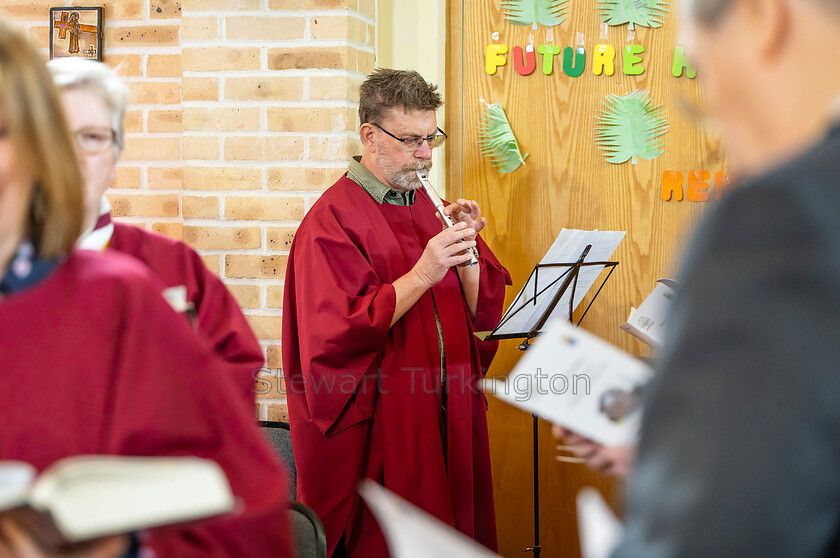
x=740, y=446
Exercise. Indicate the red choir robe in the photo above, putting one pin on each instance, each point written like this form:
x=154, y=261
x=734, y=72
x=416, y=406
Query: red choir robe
x=338, y=345
x=218, y=316
x=94, y=361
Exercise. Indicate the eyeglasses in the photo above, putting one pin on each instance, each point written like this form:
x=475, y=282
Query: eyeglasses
x=95, y=140
x=413, y=144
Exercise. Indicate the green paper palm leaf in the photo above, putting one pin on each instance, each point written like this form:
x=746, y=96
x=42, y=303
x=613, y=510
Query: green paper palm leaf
x=497, y=142
x=630, y=127
x=532, y=12
x=647, y=13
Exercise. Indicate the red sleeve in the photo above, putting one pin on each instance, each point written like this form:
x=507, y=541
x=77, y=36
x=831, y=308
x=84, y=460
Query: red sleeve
x=337, y=317
x=491, y=299
x=222, y=321
x=219, y=318
x=172, y=396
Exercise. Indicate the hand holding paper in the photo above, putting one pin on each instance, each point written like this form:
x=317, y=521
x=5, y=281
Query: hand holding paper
x=609, y=460
x=579, y=382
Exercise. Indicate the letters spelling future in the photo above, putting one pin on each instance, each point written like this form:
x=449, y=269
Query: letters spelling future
x=574, y=60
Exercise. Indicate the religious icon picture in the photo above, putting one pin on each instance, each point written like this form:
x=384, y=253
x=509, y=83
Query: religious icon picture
x=76, y=32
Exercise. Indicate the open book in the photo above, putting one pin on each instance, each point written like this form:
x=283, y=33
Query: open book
x=85, y=497
x=648, y=321
x=579, y=382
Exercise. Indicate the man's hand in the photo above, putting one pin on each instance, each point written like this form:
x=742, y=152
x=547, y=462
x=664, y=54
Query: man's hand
x=609, y=460
x=444, y=251
x=466, y=211
x=15, y=542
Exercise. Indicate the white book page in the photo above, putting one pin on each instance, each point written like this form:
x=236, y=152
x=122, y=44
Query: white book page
x=412, y=533
x=92, y=496
x=599, y=529
x=649, y=322
x=16, y=477
x=579, y=382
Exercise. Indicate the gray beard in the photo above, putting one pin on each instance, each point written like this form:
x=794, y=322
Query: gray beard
x=404, y=177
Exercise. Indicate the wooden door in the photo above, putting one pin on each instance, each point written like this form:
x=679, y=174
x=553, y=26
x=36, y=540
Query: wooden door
x=566, y=182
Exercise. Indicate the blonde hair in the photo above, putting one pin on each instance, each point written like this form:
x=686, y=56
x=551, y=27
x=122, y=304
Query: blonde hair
x=43, y=146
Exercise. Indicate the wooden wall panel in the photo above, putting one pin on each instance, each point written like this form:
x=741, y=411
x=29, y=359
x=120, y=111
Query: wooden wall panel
x=566, y=182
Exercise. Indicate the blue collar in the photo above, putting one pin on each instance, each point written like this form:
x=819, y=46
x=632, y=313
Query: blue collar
x=26, y=270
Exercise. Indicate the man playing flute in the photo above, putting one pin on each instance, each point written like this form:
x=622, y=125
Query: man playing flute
x=379, y=355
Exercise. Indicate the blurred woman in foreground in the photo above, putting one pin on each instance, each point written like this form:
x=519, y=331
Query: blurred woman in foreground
x=92, y=359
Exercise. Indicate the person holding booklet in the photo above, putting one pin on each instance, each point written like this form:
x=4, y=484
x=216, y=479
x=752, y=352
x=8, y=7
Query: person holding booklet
x=649, y=324
x=94, y=360
x=739, y=453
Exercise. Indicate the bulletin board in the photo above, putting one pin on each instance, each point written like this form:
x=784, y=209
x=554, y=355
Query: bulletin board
x=567, y=180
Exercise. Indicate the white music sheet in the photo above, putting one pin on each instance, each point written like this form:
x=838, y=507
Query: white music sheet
x=525, y=312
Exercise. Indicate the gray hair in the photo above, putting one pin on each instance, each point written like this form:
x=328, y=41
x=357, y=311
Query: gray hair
x=73, y=72
x=709, y=12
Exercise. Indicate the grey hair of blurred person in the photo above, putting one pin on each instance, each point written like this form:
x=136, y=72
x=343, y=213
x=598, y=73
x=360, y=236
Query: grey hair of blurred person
x=707, y=11
x=710, y=12
x=73, y=72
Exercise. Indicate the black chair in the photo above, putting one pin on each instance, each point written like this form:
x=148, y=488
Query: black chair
x=310, y=537
x=280, y=437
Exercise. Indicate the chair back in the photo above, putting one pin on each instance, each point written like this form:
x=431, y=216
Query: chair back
x=281, y=438
x=310, y=537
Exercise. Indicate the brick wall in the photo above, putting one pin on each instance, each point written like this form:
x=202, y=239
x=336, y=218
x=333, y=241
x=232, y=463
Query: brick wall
x=242, y=113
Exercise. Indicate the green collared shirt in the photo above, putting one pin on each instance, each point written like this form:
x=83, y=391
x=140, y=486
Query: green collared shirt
x=383, y=194
x=378, y=191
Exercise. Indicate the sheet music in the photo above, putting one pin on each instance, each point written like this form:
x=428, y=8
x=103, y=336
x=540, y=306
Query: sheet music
x=412, y=533
x=523, y=315
x=579, y=382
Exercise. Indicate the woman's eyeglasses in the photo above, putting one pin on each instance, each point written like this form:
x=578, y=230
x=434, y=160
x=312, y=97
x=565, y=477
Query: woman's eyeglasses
x=95, y=140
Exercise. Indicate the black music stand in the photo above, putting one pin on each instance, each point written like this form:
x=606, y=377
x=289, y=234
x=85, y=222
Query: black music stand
x=570, y=279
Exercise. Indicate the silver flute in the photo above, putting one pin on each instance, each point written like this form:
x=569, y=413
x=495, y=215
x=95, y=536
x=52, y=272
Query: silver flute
x=438, y=203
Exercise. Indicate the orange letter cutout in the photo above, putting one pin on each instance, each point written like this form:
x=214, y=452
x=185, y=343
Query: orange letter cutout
x=672, y=182
x=698, y=188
